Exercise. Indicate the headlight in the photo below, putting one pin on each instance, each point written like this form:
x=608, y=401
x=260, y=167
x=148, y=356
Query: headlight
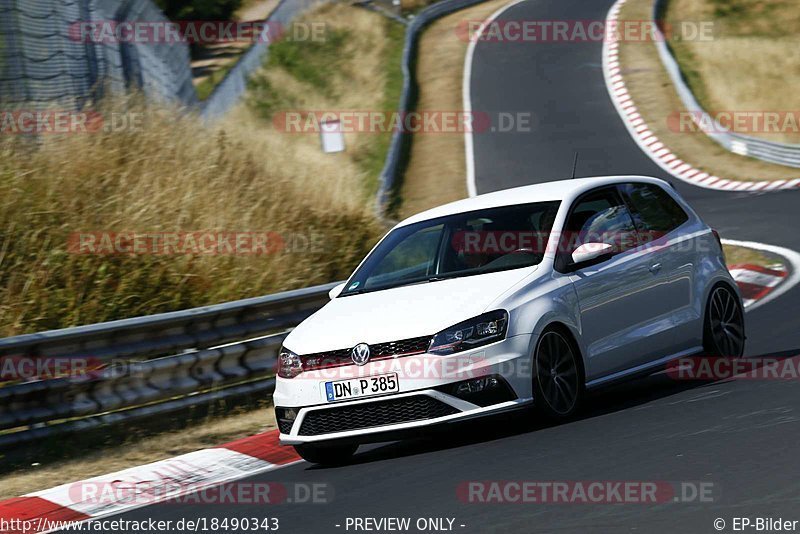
x=475, y=332
x=289, y=364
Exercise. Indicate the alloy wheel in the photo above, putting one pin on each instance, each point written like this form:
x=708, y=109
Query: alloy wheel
x=726, y=322
x=557, y=373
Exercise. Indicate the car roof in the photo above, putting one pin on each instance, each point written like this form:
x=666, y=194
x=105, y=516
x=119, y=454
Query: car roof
x=561, y=190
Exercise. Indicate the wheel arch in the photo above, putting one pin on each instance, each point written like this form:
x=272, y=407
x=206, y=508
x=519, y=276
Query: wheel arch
x=711, y=286
x=735, y=290
x=570, y=333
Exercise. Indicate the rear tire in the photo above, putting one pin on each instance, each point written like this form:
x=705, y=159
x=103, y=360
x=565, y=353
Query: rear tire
x=558, y=383
x=724, y=324
x=326, y=454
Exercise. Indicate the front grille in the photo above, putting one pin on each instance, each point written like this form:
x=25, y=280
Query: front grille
x=388, y=412
x=379, y=351
x=406, y=346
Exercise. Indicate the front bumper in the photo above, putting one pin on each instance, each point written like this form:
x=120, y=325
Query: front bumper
x=421, y=380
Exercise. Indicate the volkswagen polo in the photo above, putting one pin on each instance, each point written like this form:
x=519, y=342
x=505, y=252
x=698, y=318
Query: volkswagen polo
x=523, y=297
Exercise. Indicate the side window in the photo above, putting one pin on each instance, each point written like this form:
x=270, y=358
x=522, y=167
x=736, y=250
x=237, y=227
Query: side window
x=412, y=258
x=500, y=238
x=655, y=212
x=600, y=217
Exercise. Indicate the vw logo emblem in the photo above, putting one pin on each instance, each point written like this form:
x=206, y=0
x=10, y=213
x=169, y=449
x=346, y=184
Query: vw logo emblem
x=360, y=354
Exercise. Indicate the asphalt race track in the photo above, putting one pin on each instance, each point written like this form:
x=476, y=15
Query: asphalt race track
x=742, y=436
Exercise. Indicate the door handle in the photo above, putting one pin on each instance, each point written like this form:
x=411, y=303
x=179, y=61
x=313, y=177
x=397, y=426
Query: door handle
x=655, y=268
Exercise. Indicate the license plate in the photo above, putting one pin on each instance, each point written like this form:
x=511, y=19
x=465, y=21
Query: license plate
x=361, y=387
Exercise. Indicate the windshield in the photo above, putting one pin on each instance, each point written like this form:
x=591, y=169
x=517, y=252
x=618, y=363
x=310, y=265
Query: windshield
x=464, y=244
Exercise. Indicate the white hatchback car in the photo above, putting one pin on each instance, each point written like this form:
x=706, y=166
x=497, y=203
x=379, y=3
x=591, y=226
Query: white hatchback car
x=526, y=296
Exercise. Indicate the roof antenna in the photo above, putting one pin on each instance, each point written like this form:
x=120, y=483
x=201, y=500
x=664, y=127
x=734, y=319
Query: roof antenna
x=574, y=164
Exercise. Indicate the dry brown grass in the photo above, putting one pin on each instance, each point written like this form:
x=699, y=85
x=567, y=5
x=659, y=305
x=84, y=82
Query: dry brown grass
x=656, y=100
x=175, y=175
x=753, y=61
x=436, y=173
x=137, y=451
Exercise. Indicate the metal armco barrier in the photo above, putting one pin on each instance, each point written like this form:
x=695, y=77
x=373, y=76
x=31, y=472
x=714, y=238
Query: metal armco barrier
x=397, y=156
x=151, y=365
x=745, y=145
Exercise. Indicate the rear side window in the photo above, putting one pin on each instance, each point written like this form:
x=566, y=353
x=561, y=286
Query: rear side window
x=600, y=216
x=655, y=212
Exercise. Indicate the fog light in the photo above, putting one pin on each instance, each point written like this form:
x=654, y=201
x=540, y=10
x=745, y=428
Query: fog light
x=286, y=418
x=483, y=391
x=476, y=385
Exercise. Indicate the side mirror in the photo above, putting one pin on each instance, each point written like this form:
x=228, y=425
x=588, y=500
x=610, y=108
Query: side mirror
x=589, y=252
x=333, y=293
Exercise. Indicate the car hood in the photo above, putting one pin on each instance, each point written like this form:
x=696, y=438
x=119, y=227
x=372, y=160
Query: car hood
x=402, y=312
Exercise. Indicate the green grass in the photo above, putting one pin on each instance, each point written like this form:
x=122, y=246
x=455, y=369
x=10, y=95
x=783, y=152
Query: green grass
x=374, y=157
x=313, y=62
x=327, y=72
x=735, y=255
x=754, y=18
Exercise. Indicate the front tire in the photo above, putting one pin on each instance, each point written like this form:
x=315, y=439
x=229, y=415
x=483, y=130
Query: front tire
x=724, y=324
x=326, y=454
x=558, y=383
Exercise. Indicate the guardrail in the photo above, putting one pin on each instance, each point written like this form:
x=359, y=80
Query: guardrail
x=745, y=145
x=150, y=365
x=397, y=156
